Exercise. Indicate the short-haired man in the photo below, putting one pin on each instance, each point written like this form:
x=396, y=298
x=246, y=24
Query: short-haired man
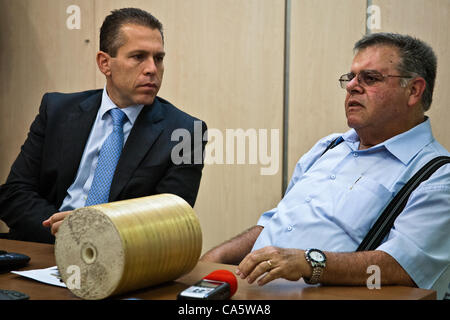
x=103, y=145
x=333, y=199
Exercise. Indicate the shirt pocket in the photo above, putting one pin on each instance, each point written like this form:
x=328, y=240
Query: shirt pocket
x=359, y=205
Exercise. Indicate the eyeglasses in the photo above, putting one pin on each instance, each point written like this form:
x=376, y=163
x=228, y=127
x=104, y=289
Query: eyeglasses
x=366, y=78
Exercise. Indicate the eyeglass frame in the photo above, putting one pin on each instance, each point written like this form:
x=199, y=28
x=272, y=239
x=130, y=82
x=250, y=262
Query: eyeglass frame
x=361, y=83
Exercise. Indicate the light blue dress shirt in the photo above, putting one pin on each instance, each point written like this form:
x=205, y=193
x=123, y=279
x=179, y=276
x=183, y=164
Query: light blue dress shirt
x=332, y=201
x=102, y=128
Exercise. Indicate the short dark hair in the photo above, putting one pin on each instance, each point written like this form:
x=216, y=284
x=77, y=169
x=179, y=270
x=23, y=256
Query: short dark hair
x=110, y=37
x=416, y=58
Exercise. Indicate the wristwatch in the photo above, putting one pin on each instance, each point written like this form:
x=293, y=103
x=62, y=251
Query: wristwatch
x=317, y=260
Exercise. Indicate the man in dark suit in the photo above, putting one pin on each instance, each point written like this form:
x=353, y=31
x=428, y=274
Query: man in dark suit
x=61, y=160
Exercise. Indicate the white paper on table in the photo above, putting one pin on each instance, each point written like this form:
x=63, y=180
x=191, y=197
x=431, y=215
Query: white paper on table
x=48, y=275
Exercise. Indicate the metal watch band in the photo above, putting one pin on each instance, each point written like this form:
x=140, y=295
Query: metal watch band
x=315, y=277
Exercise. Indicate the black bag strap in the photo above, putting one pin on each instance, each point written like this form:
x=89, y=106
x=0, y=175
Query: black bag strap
x=333, y=144
x=386, y=220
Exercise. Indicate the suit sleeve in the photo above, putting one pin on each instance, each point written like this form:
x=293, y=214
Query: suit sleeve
x=22, y=205
x=183, y=179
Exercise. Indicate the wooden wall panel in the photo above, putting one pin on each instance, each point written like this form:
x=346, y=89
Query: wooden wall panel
x=429, y=21
x=322, y=37
x=39, y=54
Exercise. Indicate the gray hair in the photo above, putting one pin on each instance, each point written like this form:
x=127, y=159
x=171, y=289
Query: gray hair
x=416, y=58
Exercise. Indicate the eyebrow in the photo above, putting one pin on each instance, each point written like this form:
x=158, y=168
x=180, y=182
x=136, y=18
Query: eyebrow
x=159, y=53
x=371, y=70
x=367, y=70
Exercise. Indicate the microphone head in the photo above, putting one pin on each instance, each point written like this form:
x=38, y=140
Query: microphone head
x=224, y=276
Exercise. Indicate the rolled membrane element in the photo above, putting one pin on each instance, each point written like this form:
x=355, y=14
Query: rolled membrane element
x=112, y=248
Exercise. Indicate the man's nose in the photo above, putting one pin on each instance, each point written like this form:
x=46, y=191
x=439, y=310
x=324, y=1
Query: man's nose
x=354, y=86
x=150, y=66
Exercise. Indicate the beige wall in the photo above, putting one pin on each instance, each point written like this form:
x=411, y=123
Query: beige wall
x=322, y=37
x=225, y=65
x=38, y=54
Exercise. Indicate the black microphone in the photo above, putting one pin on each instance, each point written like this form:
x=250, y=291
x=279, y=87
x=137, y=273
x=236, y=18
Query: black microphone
x=218, y=285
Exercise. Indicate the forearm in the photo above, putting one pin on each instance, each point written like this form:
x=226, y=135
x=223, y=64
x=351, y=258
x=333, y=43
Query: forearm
x=22, y=206
x=351, y=269
x=17, y=201
x=22, y=203
x=341, y=268
x=23, y=211
x=235, y=249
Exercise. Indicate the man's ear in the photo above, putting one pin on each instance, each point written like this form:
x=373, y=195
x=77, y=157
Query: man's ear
x=104, y=63
x=416, y=88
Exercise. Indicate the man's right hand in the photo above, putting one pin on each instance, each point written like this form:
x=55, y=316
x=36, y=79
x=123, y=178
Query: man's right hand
x=55, y=221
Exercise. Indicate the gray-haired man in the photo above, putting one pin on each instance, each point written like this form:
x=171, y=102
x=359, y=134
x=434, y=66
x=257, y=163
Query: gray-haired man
x=333, y=199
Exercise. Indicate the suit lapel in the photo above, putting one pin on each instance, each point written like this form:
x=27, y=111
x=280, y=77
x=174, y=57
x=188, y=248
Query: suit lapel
x=145, y=131
x=77, y=128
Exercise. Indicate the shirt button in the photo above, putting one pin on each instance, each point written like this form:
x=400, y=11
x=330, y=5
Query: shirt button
x=289, y=228
x=355, y=154
x=308, y=199
x=332, y=177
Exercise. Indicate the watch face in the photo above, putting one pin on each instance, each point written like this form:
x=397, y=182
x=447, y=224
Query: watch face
x=317, y=256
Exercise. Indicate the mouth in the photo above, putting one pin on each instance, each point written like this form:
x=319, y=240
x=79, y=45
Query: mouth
x=148, y=85
x=354, y=103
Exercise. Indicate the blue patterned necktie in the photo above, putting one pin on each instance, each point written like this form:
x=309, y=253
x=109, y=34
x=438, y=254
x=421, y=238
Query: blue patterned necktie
x=107, y=161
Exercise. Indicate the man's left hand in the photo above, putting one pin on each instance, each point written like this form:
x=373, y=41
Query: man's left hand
x=55, y=221
x=275, y=263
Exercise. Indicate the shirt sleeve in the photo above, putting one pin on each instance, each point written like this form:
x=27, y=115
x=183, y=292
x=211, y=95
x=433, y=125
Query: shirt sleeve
x=420, y=238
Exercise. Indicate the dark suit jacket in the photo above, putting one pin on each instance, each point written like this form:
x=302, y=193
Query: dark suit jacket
x=49, y=160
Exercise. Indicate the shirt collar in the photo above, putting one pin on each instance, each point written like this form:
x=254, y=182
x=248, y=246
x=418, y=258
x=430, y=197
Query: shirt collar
x=107, y=104
x=403, y=146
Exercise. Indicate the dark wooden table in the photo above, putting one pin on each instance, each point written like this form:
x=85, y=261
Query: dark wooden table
x=42, y=256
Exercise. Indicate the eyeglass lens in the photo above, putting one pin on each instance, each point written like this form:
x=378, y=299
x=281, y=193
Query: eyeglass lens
x=365, y=77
